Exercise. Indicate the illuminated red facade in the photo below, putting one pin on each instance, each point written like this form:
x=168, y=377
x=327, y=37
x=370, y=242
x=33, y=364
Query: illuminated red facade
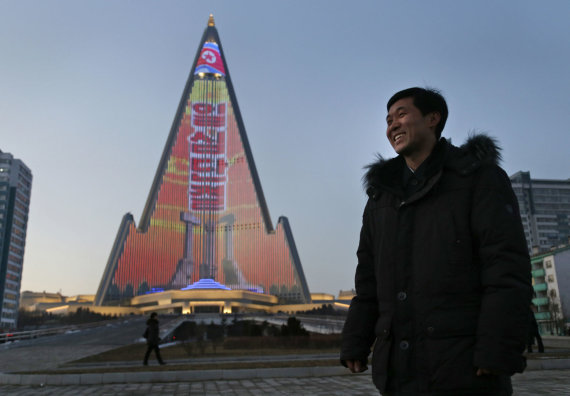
x=206, y=216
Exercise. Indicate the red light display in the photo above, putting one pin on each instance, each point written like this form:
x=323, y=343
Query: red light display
x=206, y=218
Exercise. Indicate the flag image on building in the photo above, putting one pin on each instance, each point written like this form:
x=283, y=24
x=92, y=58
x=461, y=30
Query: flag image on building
x=205, y=218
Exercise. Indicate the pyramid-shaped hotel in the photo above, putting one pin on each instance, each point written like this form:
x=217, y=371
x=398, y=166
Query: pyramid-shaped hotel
x=205, y=224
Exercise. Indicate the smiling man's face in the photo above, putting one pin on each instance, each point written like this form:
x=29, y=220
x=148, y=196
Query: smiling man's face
x=410, y=133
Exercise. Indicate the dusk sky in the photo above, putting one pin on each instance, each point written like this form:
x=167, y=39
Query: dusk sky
x=89, y=90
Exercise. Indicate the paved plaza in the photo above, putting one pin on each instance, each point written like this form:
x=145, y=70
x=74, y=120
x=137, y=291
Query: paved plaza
x=546, y=375
x=542, y=382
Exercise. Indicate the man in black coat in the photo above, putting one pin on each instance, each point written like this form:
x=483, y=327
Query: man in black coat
x=443, y=275
x=152, y=339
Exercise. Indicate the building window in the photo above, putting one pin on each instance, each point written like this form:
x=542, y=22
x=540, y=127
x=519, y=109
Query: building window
x=550, y=278
x=548, y=264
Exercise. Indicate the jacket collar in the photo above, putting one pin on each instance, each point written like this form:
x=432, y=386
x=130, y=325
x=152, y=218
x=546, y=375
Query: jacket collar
x=478, y=150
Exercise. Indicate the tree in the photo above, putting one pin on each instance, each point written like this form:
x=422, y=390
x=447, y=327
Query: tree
x=129, y=292
x=293, y=328
x=557, y=317
x=113, y=292
x=143, y=288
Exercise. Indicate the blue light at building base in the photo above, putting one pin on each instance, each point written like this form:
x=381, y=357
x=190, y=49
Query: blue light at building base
x=155, y=290
x=206, y=283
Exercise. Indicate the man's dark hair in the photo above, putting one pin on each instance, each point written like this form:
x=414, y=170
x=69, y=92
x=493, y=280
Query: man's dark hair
x=427, y=100
x=153, y=315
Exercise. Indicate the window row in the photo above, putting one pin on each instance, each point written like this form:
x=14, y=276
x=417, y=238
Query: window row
x=14, y=259
x=22, y=207
x=10, y=305
x=14, y=268
x=10, y=286
x=16, y=250
x=23, y=198
x=8, y=315
x=12, y=277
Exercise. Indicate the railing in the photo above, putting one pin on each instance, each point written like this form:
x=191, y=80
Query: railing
x=323, y=324
x=26, y=335
x=542, y=315
x=30, y=334
x=540, y=301
x=313, y=323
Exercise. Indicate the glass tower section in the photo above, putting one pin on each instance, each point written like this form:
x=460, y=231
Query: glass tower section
x=545, y=210
x=15, y=194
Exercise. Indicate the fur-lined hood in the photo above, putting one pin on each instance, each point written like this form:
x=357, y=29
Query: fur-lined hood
x=479, y=149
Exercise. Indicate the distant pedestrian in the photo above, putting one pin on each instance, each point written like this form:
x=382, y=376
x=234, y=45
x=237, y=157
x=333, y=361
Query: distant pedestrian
x=533, y=333
x=152, y=339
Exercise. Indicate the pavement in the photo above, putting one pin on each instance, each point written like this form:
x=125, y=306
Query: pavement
x=547, y=374
x=51, y=352
x=532, y=383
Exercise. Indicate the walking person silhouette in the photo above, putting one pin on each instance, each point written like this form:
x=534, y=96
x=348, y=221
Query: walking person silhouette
x=152, y=339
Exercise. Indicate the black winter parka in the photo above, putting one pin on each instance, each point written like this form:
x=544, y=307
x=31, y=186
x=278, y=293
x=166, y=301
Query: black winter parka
x=153, y=337
x=443, y=277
